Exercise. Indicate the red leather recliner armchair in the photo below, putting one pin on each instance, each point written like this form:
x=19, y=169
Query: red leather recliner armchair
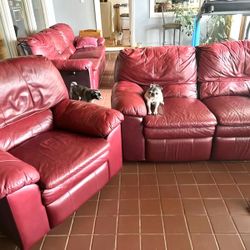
x=184, y=128
x=58, y=43
x=55, y=153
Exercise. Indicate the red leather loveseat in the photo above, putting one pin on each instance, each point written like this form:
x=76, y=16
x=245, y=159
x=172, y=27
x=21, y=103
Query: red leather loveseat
x=55, y=153
x=76, y=60
x=199, y=121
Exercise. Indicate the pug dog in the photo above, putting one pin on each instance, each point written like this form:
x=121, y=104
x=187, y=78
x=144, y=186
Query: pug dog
x=79, y=92
x=154, y=98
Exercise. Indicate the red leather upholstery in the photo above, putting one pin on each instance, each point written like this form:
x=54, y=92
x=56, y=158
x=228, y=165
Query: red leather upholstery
x=183, y=149
x=57, y=43
x=60, y=152
x=184, y=127
x=15, y=174
x=181, y=113
x=155, y=64
x=15, y=133
x=23, y=216
x=69, y=115
x=224, y=79
x=222, y=69
x=230, y=110
x=127, y=98
x=51, y=163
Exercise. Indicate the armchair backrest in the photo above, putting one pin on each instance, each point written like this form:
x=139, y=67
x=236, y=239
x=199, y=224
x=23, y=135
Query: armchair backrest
x=29, y=87
x=224, y=69
x=173, y=67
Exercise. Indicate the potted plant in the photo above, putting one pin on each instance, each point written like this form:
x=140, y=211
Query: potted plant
x=184, y=14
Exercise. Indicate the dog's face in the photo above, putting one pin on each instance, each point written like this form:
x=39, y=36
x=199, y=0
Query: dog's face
x=154, y=98
x=154, y=92
x=96, y=94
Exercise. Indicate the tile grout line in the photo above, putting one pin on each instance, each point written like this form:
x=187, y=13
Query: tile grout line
x=207, y=215
x=161, y=210
x=230, y=215
x=94, y=222
x=182, y=205
x=70, y=229
x=139, y=205
x=42, y=243
x=117, y=212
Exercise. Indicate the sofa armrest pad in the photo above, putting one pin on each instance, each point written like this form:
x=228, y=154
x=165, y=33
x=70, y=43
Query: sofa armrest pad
x=86, y=118
x=15, y=174
x=72, y=64
x=101, y=41
x=127, y=97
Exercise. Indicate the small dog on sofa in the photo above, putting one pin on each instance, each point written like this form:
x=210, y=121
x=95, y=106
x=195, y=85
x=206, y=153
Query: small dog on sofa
x=154, y=98
x=79, y=92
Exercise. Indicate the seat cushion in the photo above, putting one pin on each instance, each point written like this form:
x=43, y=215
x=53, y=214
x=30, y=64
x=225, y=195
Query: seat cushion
x=230, y=110
x=92, y=52
x=58, y=156
x=180, y=117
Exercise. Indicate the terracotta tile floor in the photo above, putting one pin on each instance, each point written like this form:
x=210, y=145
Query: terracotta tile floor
x=147, y=206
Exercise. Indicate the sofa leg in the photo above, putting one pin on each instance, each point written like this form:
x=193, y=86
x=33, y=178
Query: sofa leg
x=23, y=217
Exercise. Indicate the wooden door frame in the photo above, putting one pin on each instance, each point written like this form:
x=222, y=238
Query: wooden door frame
x=9, y=31
x=131, y=19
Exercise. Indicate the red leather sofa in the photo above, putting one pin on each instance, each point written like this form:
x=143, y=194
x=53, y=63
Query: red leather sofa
x=224, y=86
x=58, y=43
x=199, y=121
x=55, y=153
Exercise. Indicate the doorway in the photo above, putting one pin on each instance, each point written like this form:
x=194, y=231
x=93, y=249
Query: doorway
x=116, y=20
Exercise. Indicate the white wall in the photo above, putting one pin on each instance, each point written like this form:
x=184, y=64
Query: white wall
x=75, y=13
x=148, y=30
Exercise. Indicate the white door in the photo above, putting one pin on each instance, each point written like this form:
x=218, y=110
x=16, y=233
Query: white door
x=131, y=17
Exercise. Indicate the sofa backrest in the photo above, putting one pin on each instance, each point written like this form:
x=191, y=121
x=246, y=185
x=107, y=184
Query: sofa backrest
x=55, y=42
x=29, y=87
x=173, y=67
x=65, y=31
x=224, y=69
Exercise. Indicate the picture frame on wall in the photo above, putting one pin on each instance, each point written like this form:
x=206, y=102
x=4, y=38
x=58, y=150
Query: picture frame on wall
x=156, y=11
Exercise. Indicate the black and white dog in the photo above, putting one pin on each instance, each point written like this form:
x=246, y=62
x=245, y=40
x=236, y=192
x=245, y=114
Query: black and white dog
x=154, y=98
x=79, y=92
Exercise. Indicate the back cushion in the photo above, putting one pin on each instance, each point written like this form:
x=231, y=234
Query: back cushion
x=65, y=31
x=67, y=35
x=52, y=42
x=223, y=69
x=28, y=86
x=42, y=44
x=173, y=67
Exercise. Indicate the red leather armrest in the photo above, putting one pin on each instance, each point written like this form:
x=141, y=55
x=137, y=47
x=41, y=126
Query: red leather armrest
x=86, y=118
x=127, y=97
x=73, y=64
x=15, y=174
